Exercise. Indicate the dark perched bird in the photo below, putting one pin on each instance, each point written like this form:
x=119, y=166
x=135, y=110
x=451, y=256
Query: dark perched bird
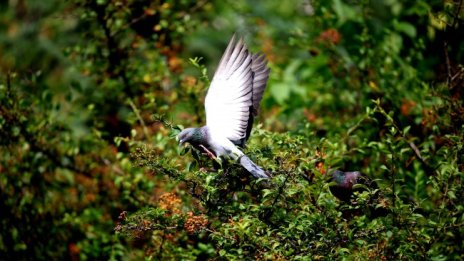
x=346, y=183
x=231, y=104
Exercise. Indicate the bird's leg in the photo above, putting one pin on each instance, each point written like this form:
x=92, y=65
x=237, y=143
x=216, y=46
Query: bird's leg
x=208, y=152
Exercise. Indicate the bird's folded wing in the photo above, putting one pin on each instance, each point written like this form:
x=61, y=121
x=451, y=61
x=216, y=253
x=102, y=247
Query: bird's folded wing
x=229, y=99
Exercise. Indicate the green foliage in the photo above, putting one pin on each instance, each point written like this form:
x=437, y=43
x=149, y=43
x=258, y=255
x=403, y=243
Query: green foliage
x=92, y=94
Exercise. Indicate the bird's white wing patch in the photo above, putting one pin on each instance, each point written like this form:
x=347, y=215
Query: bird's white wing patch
x=229, y=97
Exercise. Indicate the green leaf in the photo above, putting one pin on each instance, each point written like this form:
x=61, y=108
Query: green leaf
x=406, y=28
x=280, y=92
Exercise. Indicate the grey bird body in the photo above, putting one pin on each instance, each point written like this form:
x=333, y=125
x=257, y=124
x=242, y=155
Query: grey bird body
x=231, y=104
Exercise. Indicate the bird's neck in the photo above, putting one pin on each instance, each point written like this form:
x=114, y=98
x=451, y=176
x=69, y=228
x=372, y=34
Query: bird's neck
x=199, y=136
x=340, y=180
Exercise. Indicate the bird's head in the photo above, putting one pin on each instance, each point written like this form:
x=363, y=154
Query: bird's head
x=187, y=135
x=346, y=179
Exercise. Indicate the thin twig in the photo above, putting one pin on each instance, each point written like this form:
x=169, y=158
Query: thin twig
x=215, y=232
x=393, y=174
x=142, y=122
x=117, y=57
x=281, y=189
x=8, y=82
x=133, y=21
x=448, y=64
x=160, y=251
x=410, y=143
x=161, y=119
x=455, y=16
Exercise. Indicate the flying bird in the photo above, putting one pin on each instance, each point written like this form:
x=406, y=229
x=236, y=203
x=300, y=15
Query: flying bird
x=231, y=104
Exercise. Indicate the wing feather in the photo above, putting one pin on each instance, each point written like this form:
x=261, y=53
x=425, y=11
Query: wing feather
x=260, y=76
x=236, y=91
x=230, y=96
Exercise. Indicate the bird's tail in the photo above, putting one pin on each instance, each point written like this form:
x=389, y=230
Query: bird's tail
x=254, y=169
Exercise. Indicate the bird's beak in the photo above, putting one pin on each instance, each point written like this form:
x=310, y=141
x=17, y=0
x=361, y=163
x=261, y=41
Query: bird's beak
x=181, y=141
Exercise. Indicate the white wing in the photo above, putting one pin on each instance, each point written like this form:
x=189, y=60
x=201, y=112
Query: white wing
x=229, y=99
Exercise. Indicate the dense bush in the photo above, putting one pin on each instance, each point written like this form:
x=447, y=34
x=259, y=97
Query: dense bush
x=92, y=94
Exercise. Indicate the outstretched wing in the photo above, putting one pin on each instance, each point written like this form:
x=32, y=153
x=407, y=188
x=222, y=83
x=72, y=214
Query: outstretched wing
x=230, y=97
x=260, y=77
